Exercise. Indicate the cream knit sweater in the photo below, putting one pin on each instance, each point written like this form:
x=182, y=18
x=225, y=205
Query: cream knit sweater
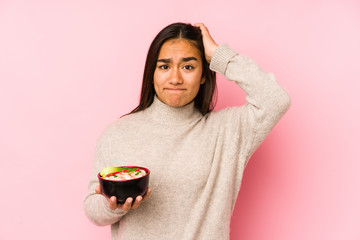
x=196, y=161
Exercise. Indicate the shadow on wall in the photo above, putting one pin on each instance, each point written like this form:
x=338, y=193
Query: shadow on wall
x=265, y=189
x=229, y=94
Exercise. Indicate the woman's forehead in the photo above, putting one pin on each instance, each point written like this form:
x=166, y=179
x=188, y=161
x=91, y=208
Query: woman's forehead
x=174, y=48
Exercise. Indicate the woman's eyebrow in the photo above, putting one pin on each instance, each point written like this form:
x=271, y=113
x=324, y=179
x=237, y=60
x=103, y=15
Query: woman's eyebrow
x=189, y=59
x=168, y=60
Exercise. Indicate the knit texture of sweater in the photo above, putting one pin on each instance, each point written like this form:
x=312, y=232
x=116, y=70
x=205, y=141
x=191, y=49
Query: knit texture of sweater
x=196, y=161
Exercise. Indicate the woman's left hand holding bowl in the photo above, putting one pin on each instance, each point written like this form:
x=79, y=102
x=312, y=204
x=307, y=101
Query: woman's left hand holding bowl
x=128, y=204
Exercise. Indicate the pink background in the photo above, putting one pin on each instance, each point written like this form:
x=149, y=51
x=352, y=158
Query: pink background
x=69, y=68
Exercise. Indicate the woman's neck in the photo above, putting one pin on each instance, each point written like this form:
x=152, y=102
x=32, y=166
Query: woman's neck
x=165, y=114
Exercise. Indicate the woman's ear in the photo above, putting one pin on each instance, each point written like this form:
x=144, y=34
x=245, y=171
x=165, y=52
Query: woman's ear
x=203, y=79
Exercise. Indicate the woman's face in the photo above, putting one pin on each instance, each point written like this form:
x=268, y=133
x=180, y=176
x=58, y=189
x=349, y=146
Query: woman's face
x=178, y=72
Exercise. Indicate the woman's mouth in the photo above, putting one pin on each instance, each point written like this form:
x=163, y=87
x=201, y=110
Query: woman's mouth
x=175, y=89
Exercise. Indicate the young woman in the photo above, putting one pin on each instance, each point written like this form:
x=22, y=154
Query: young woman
x=196, y=155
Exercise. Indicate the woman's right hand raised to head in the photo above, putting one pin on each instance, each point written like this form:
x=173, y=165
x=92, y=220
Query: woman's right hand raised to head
x=128, y=203
x=209, y=43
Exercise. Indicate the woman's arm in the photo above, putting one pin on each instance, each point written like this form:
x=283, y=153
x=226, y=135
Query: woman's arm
x=100, y=209
x=267, y=101
x=96, y=206
x=97, y=209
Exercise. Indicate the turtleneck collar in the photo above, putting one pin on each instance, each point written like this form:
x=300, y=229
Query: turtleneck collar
x=165, y=114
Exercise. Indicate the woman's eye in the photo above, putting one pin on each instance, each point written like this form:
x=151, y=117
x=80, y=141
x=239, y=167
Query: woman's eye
x=188, y=67
x=164, y=67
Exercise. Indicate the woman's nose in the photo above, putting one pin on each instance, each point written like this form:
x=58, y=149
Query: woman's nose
x=176, y=77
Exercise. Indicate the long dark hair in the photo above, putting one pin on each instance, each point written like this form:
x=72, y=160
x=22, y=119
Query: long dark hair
x=206, y=98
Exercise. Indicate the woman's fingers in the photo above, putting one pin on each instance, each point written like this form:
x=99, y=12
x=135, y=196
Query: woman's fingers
x=127, y=205
x=113, y=203
x=98, y=189
x=129, y=201
x=148, y=192
x=209, y=43
x=204, y=30
x=200, y=25
x=140, y=199
x=137, y=202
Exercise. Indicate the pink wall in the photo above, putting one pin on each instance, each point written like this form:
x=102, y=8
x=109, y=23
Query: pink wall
x=68, y=68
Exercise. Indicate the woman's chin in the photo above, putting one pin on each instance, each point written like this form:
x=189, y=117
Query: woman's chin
x=176, y=102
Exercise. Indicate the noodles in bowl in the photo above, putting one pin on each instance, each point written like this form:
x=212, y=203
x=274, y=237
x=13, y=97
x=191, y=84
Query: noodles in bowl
x=123, y=182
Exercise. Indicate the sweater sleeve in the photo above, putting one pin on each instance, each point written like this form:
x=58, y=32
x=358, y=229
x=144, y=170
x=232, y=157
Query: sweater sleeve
x=266, y=100
x=96, y=206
